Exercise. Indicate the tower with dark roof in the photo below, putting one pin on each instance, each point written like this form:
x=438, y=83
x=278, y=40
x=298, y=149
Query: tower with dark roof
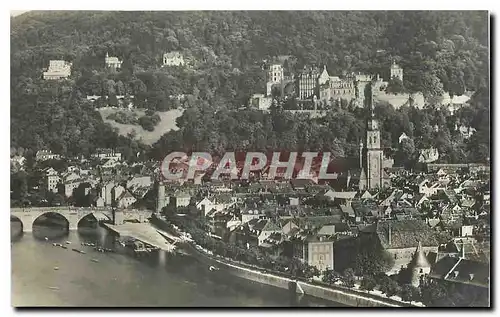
x=419, y=266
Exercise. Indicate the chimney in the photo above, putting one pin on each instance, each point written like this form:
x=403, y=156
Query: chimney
x=455, y=274
x=390, y=235
x=471, y=276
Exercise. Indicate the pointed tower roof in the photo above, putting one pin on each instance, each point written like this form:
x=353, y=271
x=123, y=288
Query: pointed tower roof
x=419, y=258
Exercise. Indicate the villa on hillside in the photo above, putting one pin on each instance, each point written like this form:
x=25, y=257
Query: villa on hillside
x=173, y=59
x=58, y=69
x=112, y=62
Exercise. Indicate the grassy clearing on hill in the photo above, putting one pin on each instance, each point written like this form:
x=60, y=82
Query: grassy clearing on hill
x=166, y=124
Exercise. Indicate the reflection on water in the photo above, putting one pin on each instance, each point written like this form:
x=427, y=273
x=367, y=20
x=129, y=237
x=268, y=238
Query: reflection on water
x=158, y=280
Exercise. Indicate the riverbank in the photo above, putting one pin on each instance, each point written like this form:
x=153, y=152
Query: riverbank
x=334, y=293
x=143, y=232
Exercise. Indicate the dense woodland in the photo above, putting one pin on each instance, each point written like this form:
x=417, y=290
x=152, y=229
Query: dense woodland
x=226, y=53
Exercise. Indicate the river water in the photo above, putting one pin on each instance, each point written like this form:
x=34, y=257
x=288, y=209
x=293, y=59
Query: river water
x=120, y=280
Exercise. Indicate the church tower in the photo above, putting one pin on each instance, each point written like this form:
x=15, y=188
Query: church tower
x=373, y=157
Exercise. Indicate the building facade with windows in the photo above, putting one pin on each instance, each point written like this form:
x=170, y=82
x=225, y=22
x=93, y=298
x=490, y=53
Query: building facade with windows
x=112, y=62
x=58, y=69
x=173, y=59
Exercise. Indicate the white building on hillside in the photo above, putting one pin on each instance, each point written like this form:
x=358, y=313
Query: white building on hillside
x=44, y=155
x=275, y=73
x=396, y=71
x=113, y=62
x=58, y=69
x=173, y=59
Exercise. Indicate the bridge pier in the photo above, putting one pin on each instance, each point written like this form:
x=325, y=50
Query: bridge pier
x=118, y=217
x=26, y=219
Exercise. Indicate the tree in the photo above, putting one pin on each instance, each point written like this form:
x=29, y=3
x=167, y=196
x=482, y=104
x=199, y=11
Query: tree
x=406, y=152
x=311, y=271
x=80, y=197
x=19, y=186
x=388, y=286
x=57, y=200
x=409, y=293
x=330, y=276
x=433, y=293
x=395, y=86
x=368, y=283
x=348, y=277
x=370, y=258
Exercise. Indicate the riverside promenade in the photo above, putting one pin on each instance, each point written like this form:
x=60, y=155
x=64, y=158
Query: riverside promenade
x=145, y=233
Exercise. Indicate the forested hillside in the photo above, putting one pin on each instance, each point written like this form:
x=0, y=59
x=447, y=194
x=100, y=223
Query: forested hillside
x=439, y=51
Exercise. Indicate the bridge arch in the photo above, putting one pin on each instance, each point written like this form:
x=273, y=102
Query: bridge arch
x=14, y=228
x=57, y=214
x=97, y=215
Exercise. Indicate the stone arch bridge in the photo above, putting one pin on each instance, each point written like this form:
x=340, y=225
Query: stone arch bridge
x=73, y=215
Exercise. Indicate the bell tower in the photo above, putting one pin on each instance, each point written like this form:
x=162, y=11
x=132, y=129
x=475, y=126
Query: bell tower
x=372, y=152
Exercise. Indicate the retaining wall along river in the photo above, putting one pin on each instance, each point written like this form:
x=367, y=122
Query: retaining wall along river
x=338, y=294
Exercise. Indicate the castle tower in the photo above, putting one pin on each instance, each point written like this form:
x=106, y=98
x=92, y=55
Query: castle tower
x=419, y=266
x=372, y=153
x=275, y=73
x=396, y=71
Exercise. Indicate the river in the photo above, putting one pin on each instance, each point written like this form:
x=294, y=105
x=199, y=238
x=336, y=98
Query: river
x=120, y=280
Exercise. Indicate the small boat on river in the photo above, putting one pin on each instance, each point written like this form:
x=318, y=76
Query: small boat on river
x=95, y=260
